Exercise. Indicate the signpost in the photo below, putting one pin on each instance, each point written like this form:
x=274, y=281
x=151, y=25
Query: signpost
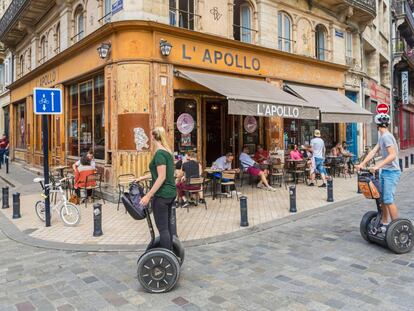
x=46, y=102
x=383, y=108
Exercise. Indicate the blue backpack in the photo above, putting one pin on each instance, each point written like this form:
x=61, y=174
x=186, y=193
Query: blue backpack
x=131, y=201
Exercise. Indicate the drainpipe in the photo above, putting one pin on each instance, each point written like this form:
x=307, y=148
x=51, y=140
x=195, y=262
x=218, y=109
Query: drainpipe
x=392, y=69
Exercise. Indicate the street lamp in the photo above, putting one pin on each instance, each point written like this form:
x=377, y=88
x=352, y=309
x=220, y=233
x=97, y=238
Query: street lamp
x=165, y=47
x=104, y=49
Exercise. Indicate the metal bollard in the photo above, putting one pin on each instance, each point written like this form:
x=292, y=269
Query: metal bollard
x=292, y=195
x=358, y=190
x=400, y=161
x=16, y=205
x=330, y=190
x=173, y=220
x=7, y=164
x=244, y=221
x=0, y=165
x=407, y=165
x=97, y=219
x=5, y=196
x=412, y=159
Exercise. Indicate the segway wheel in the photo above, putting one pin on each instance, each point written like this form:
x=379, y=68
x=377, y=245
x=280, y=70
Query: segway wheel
x=400, y=235
x=178, y=248
x=158, y=270
x=365, y=221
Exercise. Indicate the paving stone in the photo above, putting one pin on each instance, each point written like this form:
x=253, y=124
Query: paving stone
x=25, y=306
x=180, y=301
x=400, y=262
x=90, y=279
x=360, y=267
x=217, y=299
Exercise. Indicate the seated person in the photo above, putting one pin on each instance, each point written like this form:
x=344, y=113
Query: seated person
x=252, y=168
x=191, y=168
x=91, y=160
x=335, y=152
x=82, y=171
x=261, y=155
x=295, y=154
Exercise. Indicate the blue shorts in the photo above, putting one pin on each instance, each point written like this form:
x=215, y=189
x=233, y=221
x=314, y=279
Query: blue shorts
x=319, y=165
x=389, y=180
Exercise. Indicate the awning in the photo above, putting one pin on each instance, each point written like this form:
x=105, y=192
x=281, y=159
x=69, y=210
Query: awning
x=253, y=98
x=334, y=106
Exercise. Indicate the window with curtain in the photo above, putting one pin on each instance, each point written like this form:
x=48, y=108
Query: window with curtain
x=86, y=118
x=182, y=13
x=320, y=42
x=284, y=32
x=79, y=24
x=20, y=126
x=246, y=23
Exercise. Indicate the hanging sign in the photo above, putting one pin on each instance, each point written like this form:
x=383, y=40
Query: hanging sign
x=250, y=124
x=404, y=87
x=185, y=123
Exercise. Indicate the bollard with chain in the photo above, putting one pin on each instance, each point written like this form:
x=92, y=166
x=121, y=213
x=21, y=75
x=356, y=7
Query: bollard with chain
x=400, y=161
x=292, y=196
x=330, y=189
x=16, y=205
x=97, y=219
x=173, y=221
x=244, y=222
x=407, y=164
x=5, y=197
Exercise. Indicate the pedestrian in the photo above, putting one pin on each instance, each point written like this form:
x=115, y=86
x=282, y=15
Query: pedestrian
x=163, y=191
x=4, y=148
x=318, y=150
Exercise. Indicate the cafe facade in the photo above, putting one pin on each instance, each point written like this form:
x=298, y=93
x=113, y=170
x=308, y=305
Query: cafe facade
x=213, y=95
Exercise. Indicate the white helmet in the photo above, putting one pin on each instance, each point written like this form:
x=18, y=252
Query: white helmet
x=382, y=119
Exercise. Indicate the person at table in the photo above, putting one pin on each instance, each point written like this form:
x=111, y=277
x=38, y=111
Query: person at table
x=191, y=168
x=261, y=155
x=295, y=154
x=82, y=171
x=90, y=157
x=336, y=150
x=4, y=148
x=223, y=163
x=253, y=168
x=317, y=148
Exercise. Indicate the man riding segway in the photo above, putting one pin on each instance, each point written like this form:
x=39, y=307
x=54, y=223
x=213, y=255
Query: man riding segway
x=376, y=227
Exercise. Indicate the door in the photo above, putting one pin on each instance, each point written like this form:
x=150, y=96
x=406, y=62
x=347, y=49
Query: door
x=214, y=131
x=352, y=129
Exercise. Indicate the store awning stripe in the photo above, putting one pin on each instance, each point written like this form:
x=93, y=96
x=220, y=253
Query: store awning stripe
x=334, y=106
x=253, y=97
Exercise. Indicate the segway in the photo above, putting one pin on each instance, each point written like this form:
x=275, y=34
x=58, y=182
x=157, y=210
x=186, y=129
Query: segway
x=158, y=268
x=399, y=234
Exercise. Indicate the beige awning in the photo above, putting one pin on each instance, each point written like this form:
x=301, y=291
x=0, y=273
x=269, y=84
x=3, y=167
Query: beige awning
x=334, y=106
x=252, y=97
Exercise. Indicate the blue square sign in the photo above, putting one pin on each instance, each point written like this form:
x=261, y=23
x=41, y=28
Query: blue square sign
x=47, y=101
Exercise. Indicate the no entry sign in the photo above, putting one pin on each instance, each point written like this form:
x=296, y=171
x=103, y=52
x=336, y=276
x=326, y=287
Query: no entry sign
x=383, y=108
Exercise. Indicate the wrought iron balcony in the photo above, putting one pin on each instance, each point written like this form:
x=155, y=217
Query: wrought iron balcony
x=366, y=5
x=20, y=16
x=405, y=20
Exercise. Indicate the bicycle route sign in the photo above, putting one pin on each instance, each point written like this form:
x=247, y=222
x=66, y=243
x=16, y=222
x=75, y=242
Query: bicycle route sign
x=383, y=108
x=47, y=100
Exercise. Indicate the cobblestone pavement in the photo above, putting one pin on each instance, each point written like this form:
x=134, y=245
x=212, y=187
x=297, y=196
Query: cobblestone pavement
x=319, y=262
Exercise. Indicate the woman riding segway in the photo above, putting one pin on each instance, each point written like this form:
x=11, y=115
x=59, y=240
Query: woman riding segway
x=159, y=266
x=375, y=226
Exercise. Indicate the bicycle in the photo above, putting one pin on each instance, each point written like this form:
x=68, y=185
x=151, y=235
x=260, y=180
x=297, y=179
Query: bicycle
x=69, y=213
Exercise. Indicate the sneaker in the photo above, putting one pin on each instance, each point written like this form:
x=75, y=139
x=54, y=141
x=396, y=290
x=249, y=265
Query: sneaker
x=271, y=188
x=228, y=195
x=260, y=185
x=202, y=201
x=322, y=186
x=185, y=204
x=311, y=184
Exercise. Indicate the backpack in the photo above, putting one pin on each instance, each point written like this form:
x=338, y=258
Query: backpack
x=131, y=201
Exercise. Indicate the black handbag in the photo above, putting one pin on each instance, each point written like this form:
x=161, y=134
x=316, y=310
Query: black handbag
x=131, y=201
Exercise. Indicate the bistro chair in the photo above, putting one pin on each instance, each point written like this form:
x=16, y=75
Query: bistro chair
x=196, y=182
x=277, y=174
x=300, y=171
x=93, y=183
x=122, y=183
x=208, y=182
x=228, y=180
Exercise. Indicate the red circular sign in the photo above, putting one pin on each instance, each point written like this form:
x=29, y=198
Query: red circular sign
x=383, y=108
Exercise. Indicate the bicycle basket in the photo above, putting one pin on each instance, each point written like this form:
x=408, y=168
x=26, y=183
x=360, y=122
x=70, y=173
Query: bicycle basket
x=369, y=187
x=131, y=201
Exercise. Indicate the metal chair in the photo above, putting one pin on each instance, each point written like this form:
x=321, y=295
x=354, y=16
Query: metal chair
x=95, y=182
x=277, y=173
x=228, y=179
x=195, y=182
x=123, y=182
x=300, y=171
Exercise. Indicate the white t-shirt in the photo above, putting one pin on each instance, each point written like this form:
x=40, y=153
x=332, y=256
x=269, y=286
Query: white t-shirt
x=222, y=164
x=318, y=147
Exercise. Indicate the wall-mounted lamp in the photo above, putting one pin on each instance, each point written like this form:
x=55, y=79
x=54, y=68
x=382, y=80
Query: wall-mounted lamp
x=104, y=49
x=165, y=47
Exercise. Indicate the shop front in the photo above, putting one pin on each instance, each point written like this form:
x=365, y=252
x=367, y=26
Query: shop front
x=213, y=95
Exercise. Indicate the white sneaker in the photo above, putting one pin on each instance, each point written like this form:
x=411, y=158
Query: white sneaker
x=271, y=188
x=260, y=185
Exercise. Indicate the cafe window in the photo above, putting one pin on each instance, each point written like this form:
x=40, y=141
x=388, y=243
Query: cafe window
x=86, y=118
x=284, y=32
x=182, y=13
x=242, y=21
x=185, y=125
x=20, y=125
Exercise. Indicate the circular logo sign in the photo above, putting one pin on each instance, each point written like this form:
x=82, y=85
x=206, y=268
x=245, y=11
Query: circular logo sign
x=250, y=124
x=185, y=123
x=383, y=108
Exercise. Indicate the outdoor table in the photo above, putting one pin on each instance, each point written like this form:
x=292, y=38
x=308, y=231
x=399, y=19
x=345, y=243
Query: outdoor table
x=212, y=172
x=292, y=166
x=60, y=169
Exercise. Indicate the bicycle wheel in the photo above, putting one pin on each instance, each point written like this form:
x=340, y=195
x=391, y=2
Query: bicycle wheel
x=70, y=214
x=40, y=210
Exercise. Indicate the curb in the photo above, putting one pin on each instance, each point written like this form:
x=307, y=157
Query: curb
x=13, y=233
